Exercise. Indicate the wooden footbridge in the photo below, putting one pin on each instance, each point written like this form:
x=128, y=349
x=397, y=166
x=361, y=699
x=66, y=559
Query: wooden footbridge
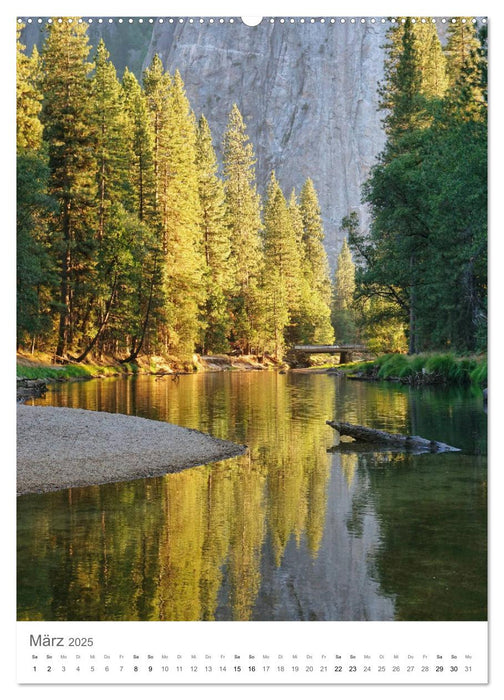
x=344, y=351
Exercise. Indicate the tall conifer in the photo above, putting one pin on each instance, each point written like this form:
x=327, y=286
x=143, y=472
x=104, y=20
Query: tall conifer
x=316, y=265
x=156, y=83
x=28, y=98
x=216, y=244
x=343, y=292
x=181, y=221
x=35, y=266
x=141, y=195
x=281, y=267
x=68, y=130
x=244, y=220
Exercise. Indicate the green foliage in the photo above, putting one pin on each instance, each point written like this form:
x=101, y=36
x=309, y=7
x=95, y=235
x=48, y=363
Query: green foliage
x=69, y=134
x=282, y=269
x=479, y=375
x=35, y=273
x=140, y=195
x=244, y=221
x=425, y=256
x=427, y=368
x=54, y=373
x=343, y=312
x=182, y=225
x=316, y=268
x=216, y=245
x=70, y=371
x=393, y=366
x=129, y=241
x=28, y=98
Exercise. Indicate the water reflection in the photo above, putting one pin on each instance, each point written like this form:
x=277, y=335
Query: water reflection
x=288, y=531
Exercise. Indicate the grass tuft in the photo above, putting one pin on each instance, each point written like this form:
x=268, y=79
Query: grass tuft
x=426, y=369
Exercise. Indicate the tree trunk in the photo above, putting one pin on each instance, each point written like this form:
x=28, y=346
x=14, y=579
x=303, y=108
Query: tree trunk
x=102, y=326
x=379, y=437
x=134, y=351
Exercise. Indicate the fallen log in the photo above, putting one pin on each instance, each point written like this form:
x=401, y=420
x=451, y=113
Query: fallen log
x=380, y=437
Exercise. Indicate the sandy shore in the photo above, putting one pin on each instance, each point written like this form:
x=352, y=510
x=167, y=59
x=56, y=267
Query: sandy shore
x=62, y=447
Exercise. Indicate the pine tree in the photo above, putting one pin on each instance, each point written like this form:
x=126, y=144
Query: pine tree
x=111, y=140
x=300, y=330
x=182, y=224
x=395, y=189
x=156, y=85
x=401, y=91
x=216, y=244
x=462, y=46
x=134, y=257
x=426, y=250
x=466, y=96
x=316, y=266
x=415, y=71
x=68, y=130
x=432, y=60
x=141, y=194
x=35, y=274
x=343, y=316
x=282, y=269
x=108, y=120
x=28, y=98
x=244, y=221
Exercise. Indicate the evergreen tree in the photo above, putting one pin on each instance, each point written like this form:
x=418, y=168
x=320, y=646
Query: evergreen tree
x=182, y=224
x=244, y=221
x=216, y=245
x=316, y=267
x=134, y=258
x=28, y=98
x=425, y=256
x=432, y=60
x=343, y=316
x=462, y=47
x=35, y=275
x=110, y=135
x=141, y=193
x=68, y=130
x=282, y=269
x=300, y=330
x=108, y=121
x=156, y=85
x=466, y=64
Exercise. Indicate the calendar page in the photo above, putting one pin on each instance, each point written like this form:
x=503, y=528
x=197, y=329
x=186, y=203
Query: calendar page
x=251, y=331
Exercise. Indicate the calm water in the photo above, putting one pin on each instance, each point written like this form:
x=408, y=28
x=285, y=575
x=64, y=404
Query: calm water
x=289, y=531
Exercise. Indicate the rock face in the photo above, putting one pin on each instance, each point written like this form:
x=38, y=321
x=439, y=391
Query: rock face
x=308, y=94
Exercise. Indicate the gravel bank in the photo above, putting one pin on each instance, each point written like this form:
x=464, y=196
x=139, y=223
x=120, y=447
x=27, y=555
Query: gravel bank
x=62, y=447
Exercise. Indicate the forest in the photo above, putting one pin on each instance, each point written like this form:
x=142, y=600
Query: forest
x=423, y=267
x=132, y=239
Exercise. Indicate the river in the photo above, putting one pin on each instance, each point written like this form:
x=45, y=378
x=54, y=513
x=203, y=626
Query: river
x=289, y=531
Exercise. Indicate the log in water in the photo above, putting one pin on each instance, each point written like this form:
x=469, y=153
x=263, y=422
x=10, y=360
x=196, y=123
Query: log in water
x=379, y=437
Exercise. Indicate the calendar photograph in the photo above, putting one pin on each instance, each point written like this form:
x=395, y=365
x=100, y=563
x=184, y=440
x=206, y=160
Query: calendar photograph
x=251, y=324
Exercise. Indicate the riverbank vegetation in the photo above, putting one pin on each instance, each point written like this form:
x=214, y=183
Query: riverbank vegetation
x=428, y=368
